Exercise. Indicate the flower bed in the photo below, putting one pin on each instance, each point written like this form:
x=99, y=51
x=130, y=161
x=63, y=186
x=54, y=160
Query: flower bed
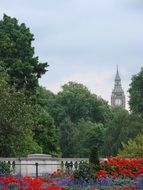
x=121, y=167
x=114, y=174
x=27, y=183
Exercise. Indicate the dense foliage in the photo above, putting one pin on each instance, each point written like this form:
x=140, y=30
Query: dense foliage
x=122, y=127
x=17, y=55
x=15, y=123
x=94, y=156
x=133, y=148
x=35, y=120
x=83, y=173
x=136, y=93
x=87, y=134
x=25, y=127
x=79, y=116
x=89, y=120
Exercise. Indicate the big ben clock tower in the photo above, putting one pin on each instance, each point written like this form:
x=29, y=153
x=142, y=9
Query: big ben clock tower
x=118, y=97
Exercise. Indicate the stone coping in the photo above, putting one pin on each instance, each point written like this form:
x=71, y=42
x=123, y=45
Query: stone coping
x=39, y=156
x=42, y=159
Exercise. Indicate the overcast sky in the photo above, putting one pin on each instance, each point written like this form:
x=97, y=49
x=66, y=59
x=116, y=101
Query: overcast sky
x=84, y=40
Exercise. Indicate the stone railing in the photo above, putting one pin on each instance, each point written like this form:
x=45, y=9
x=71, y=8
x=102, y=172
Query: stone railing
x=41, y=164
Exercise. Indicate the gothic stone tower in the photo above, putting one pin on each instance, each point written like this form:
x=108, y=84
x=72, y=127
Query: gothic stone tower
x=117, y=97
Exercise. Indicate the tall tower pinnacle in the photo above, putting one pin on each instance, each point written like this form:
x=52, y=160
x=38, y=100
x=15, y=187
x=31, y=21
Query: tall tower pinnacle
x=118, y=97
x=117, y=77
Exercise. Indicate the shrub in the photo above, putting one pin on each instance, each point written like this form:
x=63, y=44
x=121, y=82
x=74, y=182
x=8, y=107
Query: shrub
x=94, y=159
x=83, y=173
x=4, y=168
x=134, y=148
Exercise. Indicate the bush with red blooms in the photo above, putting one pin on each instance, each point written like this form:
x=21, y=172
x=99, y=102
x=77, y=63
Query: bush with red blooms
x=115, y=167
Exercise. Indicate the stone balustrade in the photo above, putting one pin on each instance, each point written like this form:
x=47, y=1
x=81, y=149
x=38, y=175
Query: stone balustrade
x=41, y=164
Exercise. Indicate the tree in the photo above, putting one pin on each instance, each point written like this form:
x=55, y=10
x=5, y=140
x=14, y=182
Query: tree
x=80, y=131
x=136, y=93
x=16, y=136
x=122, y=127
x=70, y=106
x=133, y=148
x=66, y=133
x=87, y=135
x=17, y=55
x=45, y=98
x=94, y=157
x=94, y=137
x=45, y=132
x=33, y=125
x=76, y=101
x=24, y=128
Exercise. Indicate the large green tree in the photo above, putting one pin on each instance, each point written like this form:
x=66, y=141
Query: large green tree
x=16, y=136
x=87, y=134
x=17, y=55
x=24, y=128
x=45, y=98
x=22, y=117
x=66, y=132
x=69, y=107
x=136, y=93
x=76, y=101
x=45, y=132
x=122, y=127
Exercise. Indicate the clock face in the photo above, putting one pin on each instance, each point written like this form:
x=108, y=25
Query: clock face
x=118, y=102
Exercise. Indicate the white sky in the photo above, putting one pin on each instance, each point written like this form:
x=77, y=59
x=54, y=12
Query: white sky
x=84, y=40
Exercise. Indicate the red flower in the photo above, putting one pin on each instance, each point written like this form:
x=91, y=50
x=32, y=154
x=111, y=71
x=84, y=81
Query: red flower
x=101, y=173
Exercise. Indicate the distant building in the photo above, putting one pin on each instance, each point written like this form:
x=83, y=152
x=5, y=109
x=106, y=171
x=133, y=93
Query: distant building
x=118, y=96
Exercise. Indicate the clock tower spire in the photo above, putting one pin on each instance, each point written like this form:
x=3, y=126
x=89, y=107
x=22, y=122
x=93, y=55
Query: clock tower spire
x=118, y=97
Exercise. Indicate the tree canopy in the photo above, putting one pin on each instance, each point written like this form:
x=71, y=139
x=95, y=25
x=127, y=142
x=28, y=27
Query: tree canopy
x=133, y=148
x=17, y=55
x=87, y=134
x=15, y=123
x=72, y=105
x=25, y=127
x=76, y=101
x=73, y=120
x=122, y=127
x=136, y=93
